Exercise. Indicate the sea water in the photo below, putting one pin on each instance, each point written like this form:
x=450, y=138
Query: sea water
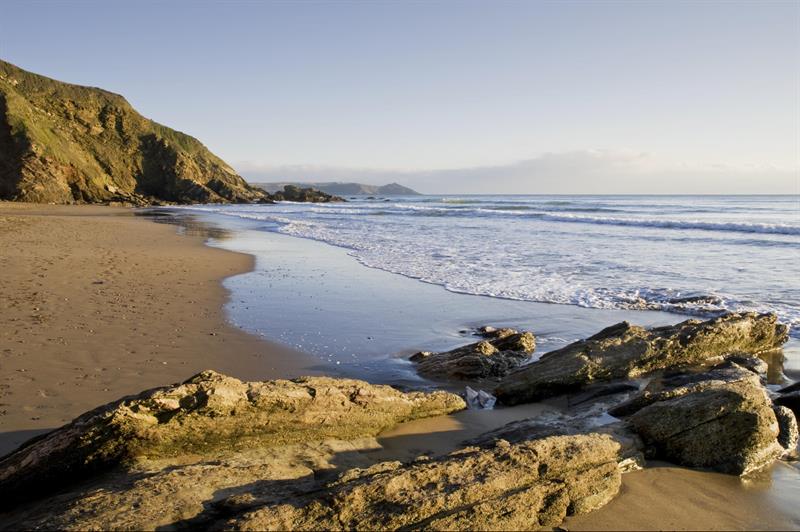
x=694, y=255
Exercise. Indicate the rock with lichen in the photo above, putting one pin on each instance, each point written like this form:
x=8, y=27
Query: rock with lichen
x=625, y=351
x=501, y=351
x=208, y=413
x=507, y=487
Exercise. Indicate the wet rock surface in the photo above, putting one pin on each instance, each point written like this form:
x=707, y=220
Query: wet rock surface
x=206, y=414
x=492, y=358
x=626, y=351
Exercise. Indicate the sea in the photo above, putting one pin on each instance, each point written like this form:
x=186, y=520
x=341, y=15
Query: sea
x=693, y=255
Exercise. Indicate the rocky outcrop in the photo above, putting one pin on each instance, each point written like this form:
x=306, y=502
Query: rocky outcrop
x=492, y=358
x=309, y=195
x=508, y=487
x=717, y=418
x=63, y=143
x=626, y=351
x=720, y=419
x=521, y=486
x=207, y=413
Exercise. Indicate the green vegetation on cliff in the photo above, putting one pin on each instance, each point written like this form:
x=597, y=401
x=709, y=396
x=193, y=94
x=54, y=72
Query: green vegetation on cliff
x=63, y=143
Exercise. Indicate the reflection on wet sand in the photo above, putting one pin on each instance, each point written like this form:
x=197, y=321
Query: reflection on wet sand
x=188, y=224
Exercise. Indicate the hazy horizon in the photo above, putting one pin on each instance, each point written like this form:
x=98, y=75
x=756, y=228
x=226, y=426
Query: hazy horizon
x=467, y=97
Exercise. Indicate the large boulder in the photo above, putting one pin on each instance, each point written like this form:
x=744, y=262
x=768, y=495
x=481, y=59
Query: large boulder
x=507, y=487
x=208, y=413
x=721, y=419
x=492, y=358
x=625, y=351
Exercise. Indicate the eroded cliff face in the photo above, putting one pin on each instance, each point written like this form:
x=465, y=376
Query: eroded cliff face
x=63, y=143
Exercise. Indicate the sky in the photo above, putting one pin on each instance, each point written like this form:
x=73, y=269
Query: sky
x=450, y=96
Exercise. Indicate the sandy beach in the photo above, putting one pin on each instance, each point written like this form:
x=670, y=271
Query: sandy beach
x=97, y=303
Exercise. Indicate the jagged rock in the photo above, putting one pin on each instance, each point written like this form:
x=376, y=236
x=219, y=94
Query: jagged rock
x=727, y=426
x=207, y=413
x=310, y=195
x=488, y=359
x=509, y=486
x=787, y=426
x=790, y=400
x=628, y=351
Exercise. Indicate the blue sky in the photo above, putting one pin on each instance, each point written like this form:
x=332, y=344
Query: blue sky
x=539, y=96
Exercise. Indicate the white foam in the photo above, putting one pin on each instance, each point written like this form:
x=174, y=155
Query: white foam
x=537, y=255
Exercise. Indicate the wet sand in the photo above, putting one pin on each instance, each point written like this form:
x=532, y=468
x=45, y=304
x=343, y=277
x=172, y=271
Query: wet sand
x=96, y=303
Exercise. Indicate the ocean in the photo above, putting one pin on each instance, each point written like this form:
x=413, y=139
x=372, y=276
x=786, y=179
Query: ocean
x=692, y=255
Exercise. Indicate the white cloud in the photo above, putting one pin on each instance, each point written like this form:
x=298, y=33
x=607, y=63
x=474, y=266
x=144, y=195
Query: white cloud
x=585, y=171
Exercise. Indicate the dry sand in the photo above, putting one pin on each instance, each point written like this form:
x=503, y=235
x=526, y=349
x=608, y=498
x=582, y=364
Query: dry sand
x=96, y=303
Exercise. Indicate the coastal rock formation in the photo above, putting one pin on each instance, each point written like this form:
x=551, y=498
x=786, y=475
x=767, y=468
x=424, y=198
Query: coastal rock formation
x=729, y=428
x=63, y=143
x=625, y=351
x=492, y=358
x=508, y=487
x=717, y=418
x=346, y=189
x=720, y=419
x=207, y=413
x=309, y=195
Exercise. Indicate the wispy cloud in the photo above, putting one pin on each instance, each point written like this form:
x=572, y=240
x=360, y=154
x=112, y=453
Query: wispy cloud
x=583, y=171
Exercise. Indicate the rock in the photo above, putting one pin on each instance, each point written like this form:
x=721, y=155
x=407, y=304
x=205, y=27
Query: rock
x=488, y=359
x=791, y=388
x=509, y=486
x=625, y=351
x=595, y=392
x=675, y=383
x=416, y=357
x=487, y=331
x=725, y=426
x=787, y=426
x=310, y=195
x=790, y=400
x=587, y=421
x=207, y=413
x=750, y=362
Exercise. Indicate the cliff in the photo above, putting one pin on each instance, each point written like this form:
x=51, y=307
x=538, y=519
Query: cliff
x=63, y=143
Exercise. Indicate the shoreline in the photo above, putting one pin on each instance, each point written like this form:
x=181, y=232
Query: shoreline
x=647, y=496
x=98, y=303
